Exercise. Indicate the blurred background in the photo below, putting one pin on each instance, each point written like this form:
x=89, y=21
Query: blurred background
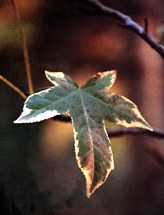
x=38, y=170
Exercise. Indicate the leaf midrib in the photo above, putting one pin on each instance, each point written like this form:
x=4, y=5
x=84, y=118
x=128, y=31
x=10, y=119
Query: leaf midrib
x=93, y=145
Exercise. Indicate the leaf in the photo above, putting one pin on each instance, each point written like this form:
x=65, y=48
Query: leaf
x=88, y=107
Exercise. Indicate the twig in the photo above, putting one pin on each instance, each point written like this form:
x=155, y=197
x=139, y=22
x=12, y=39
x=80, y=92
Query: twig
x=126, y=22
x=62, y=118
x=153, y=151
x=13, y=87
x=25, y=50
x=116, y=132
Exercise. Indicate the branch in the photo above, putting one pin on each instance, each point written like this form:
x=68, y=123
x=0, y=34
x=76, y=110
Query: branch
x=25, y=50
x=126, y=22
x=62, y=118
x=153, y=151
x=13, y=87
x=117, y=132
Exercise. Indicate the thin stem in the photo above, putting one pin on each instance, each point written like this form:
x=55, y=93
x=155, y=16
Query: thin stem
x=13, y=87
x=126, y=22
x=117, y=132
x=25, y=50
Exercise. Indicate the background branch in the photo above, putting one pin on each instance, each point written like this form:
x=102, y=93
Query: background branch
x=13, y=87
x=126, y=22
x=25, y=50
x=154, y=151
x=117, y=132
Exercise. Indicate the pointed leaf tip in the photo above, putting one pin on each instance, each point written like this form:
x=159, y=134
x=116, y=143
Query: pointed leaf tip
x=101, y=80
x=59, y=78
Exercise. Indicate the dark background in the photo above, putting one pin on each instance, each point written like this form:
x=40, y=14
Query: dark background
x=38, y=170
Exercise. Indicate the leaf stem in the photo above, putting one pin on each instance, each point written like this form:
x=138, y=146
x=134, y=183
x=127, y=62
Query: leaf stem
x=25, y=50
x=13, y=87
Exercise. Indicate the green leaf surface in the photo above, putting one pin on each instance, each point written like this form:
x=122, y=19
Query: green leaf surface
x=88, y=107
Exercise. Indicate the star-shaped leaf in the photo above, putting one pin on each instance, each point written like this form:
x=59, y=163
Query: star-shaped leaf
x=88, y=107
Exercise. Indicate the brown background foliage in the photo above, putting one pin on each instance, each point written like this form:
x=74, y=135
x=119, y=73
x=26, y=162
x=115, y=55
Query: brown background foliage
x=37, y=164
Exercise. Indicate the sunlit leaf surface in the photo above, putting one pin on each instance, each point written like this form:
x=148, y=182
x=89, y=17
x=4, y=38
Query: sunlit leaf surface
x=88, y=107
